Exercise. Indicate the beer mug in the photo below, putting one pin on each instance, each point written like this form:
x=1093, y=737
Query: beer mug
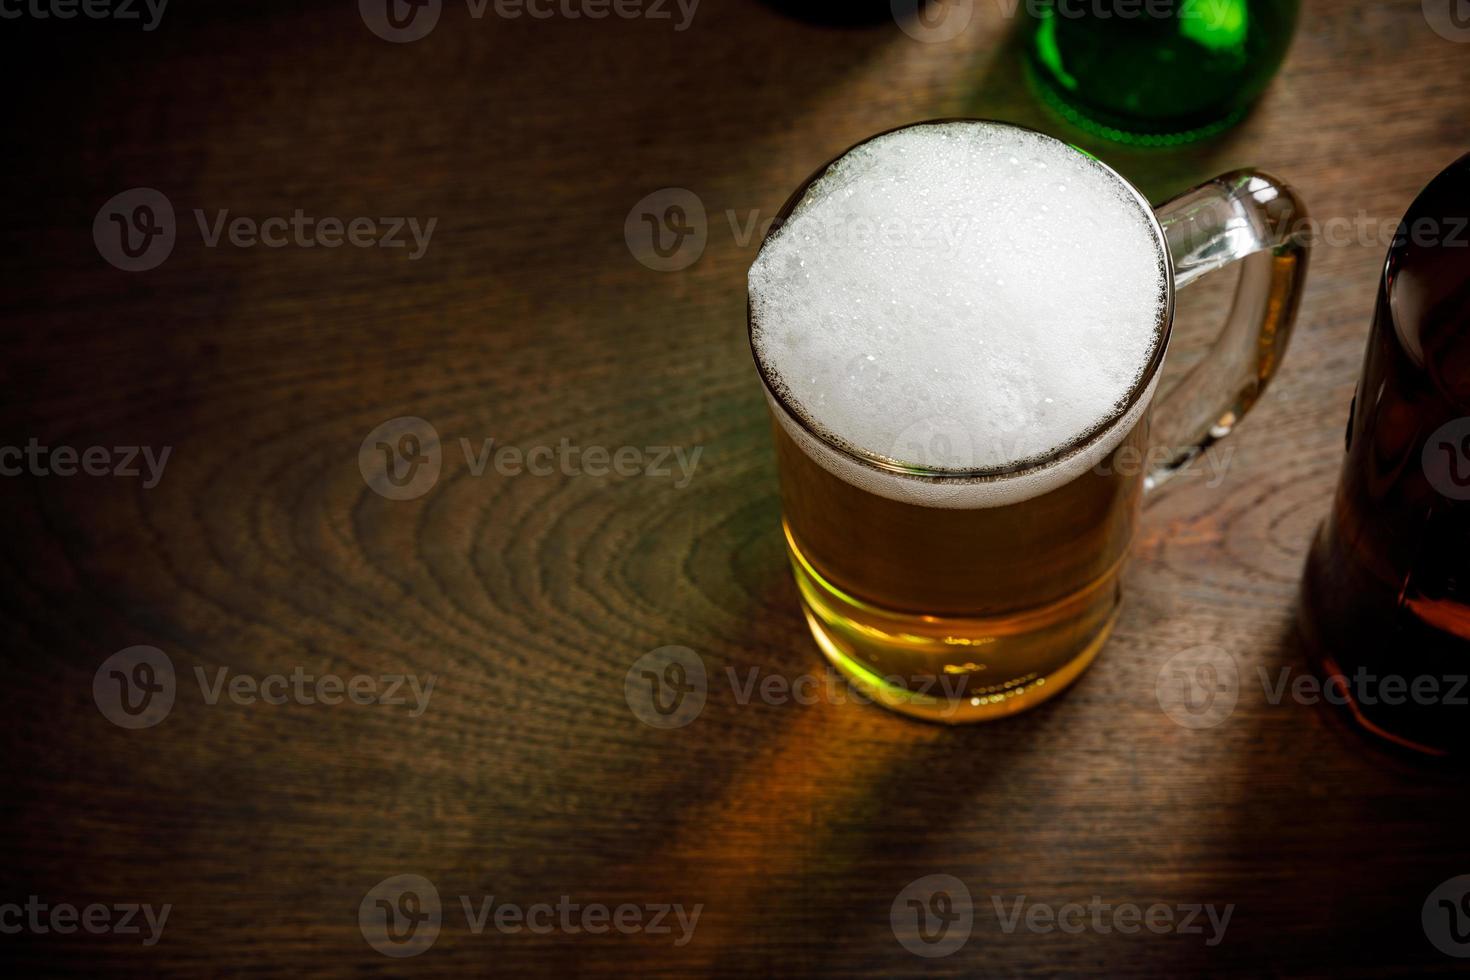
x=955, y=581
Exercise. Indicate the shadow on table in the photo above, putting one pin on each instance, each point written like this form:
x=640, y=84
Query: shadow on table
x=1348, y=840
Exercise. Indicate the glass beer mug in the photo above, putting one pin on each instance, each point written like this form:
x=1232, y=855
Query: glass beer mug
x=958, y=592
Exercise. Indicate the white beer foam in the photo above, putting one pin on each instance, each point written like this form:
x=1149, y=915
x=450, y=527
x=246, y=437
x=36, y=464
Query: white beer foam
x=958, y=297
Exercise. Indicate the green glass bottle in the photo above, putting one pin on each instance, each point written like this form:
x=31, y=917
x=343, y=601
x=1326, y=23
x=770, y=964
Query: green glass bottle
x=1157, y=72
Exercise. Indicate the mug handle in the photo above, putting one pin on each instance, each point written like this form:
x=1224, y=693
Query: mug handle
x=1249, y=217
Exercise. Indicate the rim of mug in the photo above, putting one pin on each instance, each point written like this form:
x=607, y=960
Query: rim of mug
x=1030, y=464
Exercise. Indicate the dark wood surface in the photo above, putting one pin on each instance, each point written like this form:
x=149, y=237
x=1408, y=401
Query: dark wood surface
x=528, y=320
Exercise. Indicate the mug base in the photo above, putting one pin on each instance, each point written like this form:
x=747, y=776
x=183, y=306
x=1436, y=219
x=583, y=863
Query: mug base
x=952, y=670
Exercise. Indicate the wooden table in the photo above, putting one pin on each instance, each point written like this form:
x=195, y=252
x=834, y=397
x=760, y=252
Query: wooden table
x=527, y=320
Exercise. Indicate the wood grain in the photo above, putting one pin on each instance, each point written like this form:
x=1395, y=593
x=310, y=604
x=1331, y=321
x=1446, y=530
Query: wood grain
x=529, y=321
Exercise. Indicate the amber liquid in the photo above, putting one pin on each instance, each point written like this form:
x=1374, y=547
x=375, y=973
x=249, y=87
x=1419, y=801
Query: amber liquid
x=1387, y=589
x=959, y=615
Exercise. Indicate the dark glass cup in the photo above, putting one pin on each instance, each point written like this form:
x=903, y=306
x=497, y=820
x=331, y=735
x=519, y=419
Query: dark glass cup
x=1386, y=597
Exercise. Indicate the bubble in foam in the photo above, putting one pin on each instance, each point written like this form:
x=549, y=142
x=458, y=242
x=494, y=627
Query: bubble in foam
x=959, y=296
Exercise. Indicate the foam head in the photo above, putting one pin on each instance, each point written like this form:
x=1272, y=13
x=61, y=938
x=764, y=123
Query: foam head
x=960, y=297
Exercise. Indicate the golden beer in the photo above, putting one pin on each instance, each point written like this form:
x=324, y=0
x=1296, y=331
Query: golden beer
x=1007, y=606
